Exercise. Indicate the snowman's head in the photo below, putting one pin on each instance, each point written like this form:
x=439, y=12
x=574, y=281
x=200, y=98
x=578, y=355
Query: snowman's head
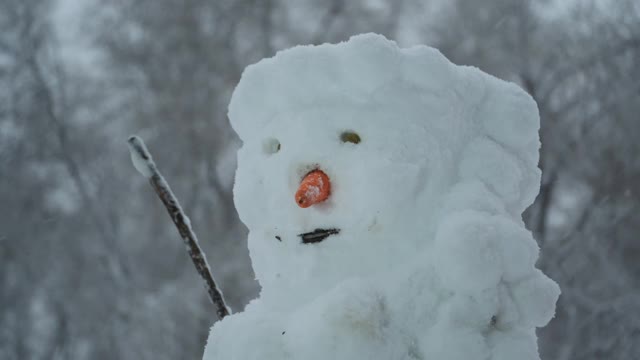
x=350, y=152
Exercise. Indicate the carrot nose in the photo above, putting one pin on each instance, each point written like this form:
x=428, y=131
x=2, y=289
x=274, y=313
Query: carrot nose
x=314, y=188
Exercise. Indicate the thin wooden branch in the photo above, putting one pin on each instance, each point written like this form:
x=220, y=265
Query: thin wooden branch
x=143, y=162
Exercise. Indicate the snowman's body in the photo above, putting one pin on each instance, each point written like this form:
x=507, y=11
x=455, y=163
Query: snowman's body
x=422, y=252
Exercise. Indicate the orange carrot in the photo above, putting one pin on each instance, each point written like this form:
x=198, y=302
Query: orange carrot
x=314, y=188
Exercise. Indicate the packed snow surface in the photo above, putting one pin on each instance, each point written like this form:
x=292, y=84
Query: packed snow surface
x=140, y=157
x=430, y=259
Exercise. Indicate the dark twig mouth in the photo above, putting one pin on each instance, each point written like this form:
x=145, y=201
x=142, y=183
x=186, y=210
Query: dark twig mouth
x=317, y=235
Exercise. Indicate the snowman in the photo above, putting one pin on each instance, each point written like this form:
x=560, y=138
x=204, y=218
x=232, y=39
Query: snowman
x=383, y=190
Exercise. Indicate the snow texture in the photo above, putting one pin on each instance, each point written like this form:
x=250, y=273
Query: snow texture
x=140, y=157
x=432, y=260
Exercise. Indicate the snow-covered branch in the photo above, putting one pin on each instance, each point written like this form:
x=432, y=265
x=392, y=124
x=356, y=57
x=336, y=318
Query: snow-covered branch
x=143, y=162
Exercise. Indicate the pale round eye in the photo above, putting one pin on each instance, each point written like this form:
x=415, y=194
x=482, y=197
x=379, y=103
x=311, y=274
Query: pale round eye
x=271, y=146
x=350, y=137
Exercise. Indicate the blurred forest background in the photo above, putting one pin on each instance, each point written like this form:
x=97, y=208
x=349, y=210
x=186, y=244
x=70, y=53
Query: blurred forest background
x=90, y=265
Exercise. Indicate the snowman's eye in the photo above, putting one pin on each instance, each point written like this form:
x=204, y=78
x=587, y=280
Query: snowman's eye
x=271, y=146
x=350, y=137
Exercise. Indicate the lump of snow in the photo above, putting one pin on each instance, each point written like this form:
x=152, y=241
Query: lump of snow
x=140, y=157
x=423, y=253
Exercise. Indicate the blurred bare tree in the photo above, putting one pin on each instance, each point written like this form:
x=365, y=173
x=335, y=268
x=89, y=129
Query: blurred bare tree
x=90, y=266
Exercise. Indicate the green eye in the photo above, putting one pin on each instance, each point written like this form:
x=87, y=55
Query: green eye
x=350, y=137
x=271, y=146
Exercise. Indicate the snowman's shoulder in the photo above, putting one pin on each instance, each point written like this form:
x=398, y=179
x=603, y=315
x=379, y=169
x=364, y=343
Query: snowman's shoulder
x=254, y=333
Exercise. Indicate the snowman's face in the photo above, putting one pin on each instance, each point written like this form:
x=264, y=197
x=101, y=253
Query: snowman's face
x=384, y=191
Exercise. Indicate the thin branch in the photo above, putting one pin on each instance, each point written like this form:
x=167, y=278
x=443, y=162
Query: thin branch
x=143, y=162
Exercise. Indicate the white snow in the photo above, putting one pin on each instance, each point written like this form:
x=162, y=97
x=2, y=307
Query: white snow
x=144, y=166
x=432, y=260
